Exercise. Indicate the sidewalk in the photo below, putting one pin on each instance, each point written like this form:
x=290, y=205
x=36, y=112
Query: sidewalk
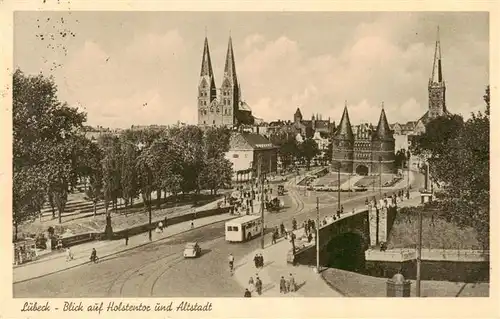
x=309, y=284
x=57, y=262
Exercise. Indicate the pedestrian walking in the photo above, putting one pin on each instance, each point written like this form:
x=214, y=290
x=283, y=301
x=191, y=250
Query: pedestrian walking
x=282, y=285
x=287, y=285
x=294, y=224
x=69, y=254
x=160, y=226
x=247, y=294
x=251, y=284
x=291, y=280
x=273, y=238
x=165, y=222
x=192, y=224
x=282, y=229
x=258, y=285
x=126, y=238
x=256, y=260
x=261, y=260
x=93, y=256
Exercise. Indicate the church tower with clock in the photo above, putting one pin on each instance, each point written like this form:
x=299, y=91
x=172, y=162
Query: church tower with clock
x=437, y=86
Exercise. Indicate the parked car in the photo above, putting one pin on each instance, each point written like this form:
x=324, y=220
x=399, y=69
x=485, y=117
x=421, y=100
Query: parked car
x=192, y=250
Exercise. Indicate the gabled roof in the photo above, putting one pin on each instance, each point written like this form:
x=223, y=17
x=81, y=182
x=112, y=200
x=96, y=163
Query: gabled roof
x=249, y=141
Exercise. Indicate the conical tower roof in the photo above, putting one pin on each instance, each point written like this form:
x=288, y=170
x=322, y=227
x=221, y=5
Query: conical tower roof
x=383, y=129
x=437, y=72
x=230, y=67
x=206, y=62
x=298, y=113
x=344, y=129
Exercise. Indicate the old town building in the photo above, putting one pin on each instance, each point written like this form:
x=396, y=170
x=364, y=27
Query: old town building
x=223, y=106
x=365, y=151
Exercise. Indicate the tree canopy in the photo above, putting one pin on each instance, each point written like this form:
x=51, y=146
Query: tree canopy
x=458, y=157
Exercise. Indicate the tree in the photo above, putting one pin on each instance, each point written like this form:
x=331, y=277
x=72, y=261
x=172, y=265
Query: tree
x=111, y=165
x=144, y=166
x=459, y=161
x=187, y=141
x=45, y=140
x=288, y=148
x=308, y=150
x=128, y=179
x=94, y=158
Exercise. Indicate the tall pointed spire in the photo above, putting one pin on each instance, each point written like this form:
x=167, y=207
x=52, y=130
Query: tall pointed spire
x=206, y=62
x=383, y=129
x=344, y=129
x=437, y=72
x=230, y=67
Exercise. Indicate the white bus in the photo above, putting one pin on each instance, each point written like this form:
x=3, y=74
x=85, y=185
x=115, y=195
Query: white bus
x=243, y=228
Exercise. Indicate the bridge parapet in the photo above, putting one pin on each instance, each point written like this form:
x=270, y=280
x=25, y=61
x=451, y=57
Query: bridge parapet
x=371, y=224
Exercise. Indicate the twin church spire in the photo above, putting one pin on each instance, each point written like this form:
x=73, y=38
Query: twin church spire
x=218, y=108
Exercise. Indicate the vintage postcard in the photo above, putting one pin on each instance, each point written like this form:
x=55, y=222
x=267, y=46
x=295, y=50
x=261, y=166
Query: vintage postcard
x=217, y=159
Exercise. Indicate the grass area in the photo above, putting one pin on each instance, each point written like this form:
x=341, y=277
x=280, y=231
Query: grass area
x=437, y=233
x=369, y=181
x=122, y=219
x=331, y=179
x=352, y=284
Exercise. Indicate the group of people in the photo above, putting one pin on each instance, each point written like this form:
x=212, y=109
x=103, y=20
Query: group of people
x=253, y=286
x=258, y=259
x=287, y=285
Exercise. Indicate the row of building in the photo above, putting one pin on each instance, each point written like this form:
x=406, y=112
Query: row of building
x=362, y=149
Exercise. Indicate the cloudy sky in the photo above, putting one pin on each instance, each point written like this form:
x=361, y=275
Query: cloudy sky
x=127, y=68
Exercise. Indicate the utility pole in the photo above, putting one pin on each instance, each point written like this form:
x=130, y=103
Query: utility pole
x=261, y=177
x=380, y=176
x=408, y=177
x=419, y=251
x=338, y=187
x=317, y=235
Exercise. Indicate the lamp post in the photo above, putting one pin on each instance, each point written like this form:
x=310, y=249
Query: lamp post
x=380, y=176
x=338, y=185
x=408, y=155
x=317, y=235
x=261, y=178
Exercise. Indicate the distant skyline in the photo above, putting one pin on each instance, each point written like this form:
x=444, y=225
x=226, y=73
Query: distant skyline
x=142, y=68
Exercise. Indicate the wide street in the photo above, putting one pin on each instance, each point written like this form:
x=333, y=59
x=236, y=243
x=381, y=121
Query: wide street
x=159, y=269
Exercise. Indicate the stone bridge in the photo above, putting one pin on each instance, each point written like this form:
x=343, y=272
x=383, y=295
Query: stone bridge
x=344, y=241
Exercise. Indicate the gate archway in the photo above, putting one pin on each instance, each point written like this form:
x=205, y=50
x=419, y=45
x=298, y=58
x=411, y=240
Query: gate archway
x=362, y=170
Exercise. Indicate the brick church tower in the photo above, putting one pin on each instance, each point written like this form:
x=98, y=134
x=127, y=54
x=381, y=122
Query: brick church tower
x=230, y=90
x=207, y=92
x=437, y=87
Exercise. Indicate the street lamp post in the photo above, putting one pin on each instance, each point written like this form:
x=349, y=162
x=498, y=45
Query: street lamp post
x=317, y=235
x=408, y=154
x=338, y=185
x=261, y=178
x=380, y=176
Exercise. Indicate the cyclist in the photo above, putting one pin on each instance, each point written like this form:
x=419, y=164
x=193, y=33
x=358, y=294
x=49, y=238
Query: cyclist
x=231, y=262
